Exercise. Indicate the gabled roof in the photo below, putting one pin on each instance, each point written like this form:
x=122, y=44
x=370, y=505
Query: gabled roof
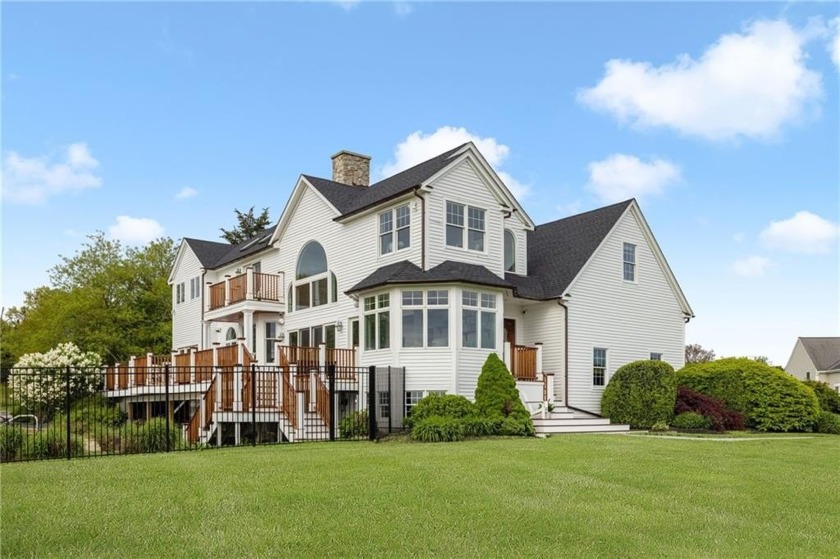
x=824, y=352
x=558, y=251
x=349, y=200
x=213, y=254
x=446, y=272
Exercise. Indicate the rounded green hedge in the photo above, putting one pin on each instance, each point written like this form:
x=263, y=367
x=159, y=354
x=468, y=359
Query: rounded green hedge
x=641, y=394
x=828, y=422
x=828, y=398
x=770, y=399
x=691, y=421
x=437, y=429
x=443, y=405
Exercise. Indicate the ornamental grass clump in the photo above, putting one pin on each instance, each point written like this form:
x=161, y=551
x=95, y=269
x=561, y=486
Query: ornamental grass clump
x=641, y=394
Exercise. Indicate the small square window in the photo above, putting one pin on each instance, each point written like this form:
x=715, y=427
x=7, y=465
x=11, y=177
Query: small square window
x=469, y=299
x=656, y=357
x=438, y=297
x=370, y=303
x=384, y=301
x=488, y=300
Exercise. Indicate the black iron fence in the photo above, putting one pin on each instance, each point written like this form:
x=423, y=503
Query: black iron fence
x=67, y=412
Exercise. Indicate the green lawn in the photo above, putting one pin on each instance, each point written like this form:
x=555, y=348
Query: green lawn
x=578, y=495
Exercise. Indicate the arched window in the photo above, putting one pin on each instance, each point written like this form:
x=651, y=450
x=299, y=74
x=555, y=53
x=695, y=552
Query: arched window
x=312, y=260
x=314, y=284
x=510, y=251
x=230, y=336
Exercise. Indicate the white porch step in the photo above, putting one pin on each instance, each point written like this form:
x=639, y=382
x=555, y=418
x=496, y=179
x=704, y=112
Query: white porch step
x=542, y=430
x=555, y=422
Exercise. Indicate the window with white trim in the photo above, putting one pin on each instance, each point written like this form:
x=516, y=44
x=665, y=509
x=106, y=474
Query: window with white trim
x=180, y=293
x=384, y=401
x=377, y=313
x=478, y=324
x=314, y=284
x=270, y=335
x=434, y=314
x=195, y=287
x=412, y=397
x=510, y=251
x=395, y=230
x=473, y=228
x=599, y=366
x=656, y=357
x=629, y=256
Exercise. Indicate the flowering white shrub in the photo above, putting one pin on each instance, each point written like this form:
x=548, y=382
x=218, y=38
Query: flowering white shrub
x=39, y=385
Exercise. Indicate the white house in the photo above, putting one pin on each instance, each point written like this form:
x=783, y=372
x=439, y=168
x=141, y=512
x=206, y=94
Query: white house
x=432, y=269
x=816, y=359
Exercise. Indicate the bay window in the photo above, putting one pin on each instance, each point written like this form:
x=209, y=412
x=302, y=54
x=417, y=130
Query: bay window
x=377, y=322
x=478, y=320
x=425, y=325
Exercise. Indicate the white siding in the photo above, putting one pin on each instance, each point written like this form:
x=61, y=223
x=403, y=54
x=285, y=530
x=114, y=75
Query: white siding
x=545, y=323
x=463, y=185
x=800, y=363
x=630, y=320
x=186, y=316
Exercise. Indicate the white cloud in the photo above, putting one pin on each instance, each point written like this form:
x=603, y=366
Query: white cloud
x=620, y=176
x=751, y=266
x=135, y=230
x=31, y=180
x=804, y=232
x=419, y=147
x=186, y=192
x=739, y=237
x=748, y=84
x=834, y=41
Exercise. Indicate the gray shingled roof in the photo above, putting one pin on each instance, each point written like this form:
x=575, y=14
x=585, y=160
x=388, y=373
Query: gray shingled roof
x=445, y=272
x=212, y=254
x=824, y=352
x=558, y=250
x=352, y=199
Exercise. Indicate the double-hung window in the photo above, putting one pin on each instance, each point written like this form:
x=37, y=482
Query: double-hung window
x=474, y=227
x=270, y=335
x=412, y=319
x=180, y=293
x=478, y=320
x=195, y=287
x=656, y=357
x=394, y=227
x=629, y=254
x=378, y=322
x=599, y=366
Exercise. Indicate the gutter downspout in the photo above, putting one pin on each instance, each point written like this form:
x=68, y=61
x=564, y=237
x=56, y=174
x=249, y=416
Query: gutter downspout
x=422, y=229
x=565, y=353
x=203, y=289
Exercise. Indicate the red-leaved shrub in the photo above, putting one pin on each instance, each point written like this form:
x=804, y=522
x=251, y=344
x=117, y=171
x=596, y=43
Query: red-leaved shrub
x=722, y=419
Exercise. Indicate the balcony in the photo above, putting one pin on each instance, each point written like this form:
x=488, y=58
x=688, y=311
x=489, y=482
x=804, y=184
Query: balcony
x=251, y=290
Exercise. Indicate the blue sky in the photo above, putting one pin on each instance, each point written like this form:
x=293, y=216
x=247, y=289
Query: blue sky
x=722, y=119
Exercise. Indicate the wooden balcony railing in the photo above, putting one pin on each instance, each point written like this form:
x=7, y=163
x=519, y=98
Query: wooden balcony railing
x=289, y=397
x=140, y=371
x=302, y=356
x=217, y=295
x=122, y=373
x=182, y=368
x=524, y=362
x=203, y=365
x=227, y=375
x=250, y=285
x=238, y=288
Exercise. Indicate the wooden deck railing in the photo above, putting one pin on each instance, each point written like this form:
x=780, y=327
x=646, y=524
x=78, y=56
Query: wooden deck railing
x=344, y=361
x=226, y=375
x=228, y=355
x=140, y=371
x=110, y=378
x=182, y=368
x=217, y=295
x=289, y=396
x=209, y=404
x=301, y=356
x=322, y=400
x=524, y=362
x=238, y=288
x=203, y=365
x=122, y=374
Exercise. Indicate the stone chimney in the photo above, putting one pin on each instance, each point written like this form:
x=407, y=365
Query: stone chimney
x=351, y=168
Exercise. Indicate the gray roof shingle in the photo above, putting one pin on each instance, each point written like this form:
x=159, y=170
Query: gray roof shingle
x=352, y=199
x=558, y=250
x=824, y=352
x=445, y=272
x=213, y=254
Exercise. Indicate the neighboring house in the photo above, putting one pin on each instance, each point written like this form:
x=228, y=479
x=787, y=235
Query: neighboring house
x=433, y=269
x=816, y=359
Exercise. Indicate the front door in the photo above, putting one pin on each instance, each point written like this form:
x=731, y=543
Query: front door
x=510, y=337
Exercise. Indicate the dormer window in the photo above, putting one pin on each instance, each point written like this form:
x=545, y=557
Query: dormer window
x=510, y=251
x=394, y=227
x=475, y=226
